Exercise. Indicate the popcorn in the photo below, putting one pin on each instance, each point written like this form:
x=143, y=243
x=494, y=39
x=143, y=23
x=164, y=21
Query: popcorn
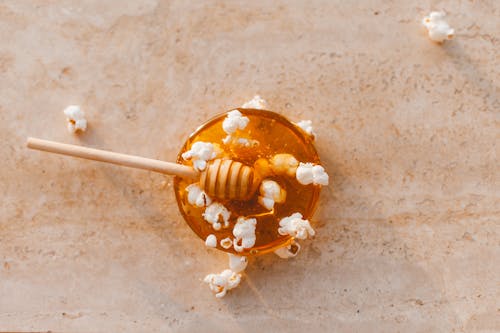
x=268, y=203
x=234, y=121
x=244, y=233
x=226, y=243
x=271, y=193
x=237, y=263
x=221, y=283
x=197, y=197
x=200, y=153
x=256, y=103
x=289, y=251
x=438, y=28
x=75, y=118
x=306, y=126
x=296, y=227
x=249, y=143
x=214, y=212
x=211, y=241
x=284, y=164
x=308, y=173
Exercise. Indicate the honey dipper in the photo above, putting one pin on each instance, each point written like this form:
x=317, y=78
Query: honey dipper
x=222, y=178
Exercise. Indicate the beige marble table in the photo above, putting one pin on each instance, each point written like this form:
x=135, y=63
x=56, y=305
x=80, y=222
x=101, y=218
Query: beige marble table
x=407, y=232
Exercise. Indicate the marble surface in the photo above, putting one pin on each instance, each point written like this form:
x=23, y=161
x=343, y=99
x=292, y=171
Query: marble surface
x=407, y=232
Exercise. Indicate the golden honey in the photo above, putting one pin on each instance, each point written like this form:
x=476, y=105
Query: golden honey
x=275, y=135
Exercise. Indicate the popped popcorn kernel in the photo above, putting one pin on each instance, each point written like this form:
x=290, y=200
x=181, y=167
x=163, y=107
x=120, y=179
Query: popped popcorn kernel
x=309, y=173
x=256, y=103
x=248, y=143
x=244, y=233
x=197, y=197
x=211, y=241
x=234, y=121
x=75, y=118
x=214, y=213
x=296, y=227
x=306, y=126
x=271, y=193
x=438, y=28
x=200, y=153
x=282, y=164
x=221, y=283
x=237, y=263
x=226, y=243
x=289, y=251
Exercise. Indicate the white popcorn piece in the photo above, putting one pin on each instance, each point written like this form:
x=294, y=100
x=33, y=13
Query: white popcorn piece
x=200, y=153
x=438, y=29
x=282, y=164
x=309, y=173
x=221, y=283
x=226, y=243
x=296, y=227
x=197, y=197
x=289, y=251
x=75, y=118
x=256, y=103
x=244, y=233
x=249, y=143
x=267, y=203
x=237, y=263
x=234, y=121
x=271, y=193
x=211, y=241
x=306, y=126
x=214, y=213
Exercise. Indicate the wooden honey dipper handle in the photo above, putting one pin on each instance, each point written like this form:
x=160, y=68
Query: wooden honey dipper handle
x=223, y=179
x=114, y=158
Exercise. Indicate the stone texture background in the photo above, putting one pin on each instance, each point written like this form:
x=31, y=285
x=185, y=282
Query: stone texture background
x=407, y=233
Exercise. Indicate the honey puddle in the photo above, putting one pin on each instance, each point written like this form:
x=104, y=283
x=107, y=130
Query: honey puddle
x=275, y=135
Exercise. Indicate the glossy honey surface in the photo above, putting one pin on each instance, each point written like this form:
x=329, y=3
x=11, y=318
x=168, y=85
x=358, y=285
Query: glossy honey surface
x=275, y=135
